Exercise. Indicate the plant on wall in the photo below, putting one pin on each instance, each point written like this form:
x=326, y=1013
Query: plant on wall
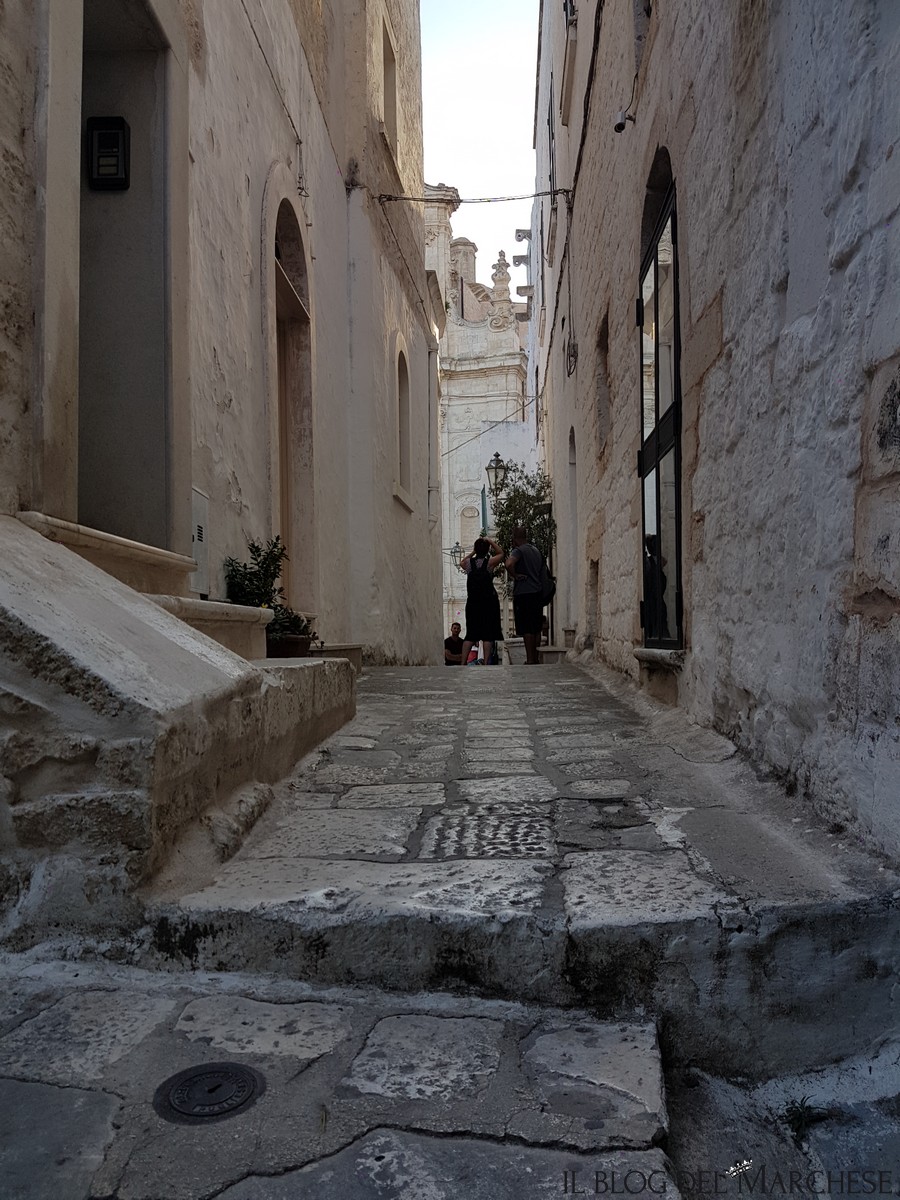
x=256, y=584
x=524, y=499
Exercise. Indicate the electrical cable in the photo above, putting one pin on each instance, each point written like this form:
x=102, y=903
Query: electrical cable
x=475, y=437
x=272, y=73
x=472, y=199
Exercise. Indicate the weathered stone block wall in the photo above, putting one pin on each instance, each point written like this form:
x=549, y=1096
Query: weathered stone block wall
x=17, y=209
x=780, y=123
x=120, y=725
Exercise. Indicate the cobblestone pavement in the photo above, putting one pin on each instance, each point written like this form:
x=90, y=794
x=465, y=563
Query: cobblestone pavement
x=449, y=949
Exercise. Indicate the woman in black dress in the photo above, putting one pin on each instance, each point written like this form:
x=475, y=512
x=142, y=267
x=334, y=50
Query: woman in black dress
x=482, y=602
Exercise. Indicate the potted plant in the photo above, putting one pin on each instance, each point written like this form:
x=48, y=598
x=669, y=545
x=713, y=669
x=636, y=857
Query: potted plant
x=288, y=634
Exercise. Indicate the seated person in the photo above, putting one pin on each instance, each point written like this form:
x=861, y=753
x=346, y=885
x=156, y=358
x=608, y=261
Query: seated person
x=453, y=646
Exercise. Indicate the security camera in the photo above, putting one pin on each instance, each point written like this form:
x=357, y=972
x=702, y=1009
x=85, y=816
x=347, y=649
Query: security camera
x=620, y=121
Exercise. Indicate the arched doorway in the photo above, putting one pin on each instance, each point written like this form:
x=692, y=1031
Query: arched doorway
x=294, y=499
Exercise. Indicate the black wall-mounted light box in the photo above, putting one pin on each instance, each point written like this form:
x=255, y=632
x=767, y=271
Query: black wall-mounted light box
x=108, y=154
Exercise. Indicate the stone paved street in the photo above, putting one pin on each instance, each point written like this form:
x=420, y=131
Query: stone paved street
x=468, y=943
x=549, y=837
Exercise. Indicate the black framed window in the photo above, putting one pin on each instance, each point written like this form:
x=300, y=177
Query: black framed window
x=659, y=461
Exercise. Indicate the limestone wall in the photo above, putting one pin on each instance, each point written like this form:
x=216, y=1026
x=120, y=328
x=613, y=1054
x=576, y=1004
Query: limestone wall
x=365, y=286
x=17, y=205
x=779, y=121
x=273, y=116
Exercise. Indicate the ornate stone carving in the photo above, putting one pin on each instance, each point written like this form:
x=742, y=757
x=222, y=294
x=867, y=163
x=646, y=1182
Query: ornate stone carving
x=500, y=277
x=501, y=316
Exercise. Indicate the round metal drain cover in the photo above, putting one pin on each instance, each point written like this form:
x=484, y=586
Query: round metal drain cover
x=208, y=1093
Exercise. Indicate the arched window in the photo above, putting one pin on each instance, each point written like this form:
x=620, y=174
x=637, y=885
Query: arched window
x=295, y=503
x=403, y=422
x=659, y=460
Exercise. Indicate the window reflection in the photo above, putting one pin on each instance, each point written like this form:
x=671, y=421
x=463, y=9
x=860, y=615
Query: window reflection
x=648, y=355
x=666, y=318
x=659, y=461
x=668, y=546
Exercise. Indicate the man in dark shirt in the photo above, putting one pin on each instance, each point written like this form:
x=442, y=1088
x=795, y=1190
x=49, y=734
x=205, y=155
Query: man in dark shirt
x=524, y=565
x=453, y=646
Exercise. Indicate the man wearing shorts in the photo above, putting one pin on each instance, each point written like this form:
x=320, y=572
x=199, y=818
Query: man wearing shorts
x=524, y=566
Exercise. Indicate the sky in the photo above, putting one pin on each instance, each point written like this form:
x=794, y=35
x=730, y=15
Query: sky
x=479, y=60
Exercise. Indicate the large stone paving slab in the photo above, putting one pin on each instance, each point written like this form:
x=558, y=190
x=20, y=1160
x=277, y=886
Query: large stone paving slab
x=630, y=887
x=238, y=1025
x=75, y=1039
x=331, y=888
x=489, y=764
x=600, y=1072
x=52, y=1140
x=575, y=754
x=507, y=789
x=599, y=789
x=393, y=1165
x=392, y=795
x=332, y=833
x=447, y=1058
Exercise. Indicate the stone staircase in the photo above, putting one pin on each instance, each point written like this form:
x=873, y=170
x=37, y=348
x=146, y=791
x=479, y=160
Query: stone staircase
x=397, y=856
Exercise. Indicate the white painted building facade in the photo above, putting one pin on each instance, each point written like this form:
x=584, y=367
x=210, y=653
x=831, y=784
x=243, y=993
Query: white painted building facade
x=240, y=335
x=217, y=326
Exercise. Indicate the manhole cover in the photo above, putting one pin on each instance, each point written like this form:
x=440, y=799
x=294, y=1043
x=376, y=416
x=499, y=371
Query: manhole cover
x=208, y=1093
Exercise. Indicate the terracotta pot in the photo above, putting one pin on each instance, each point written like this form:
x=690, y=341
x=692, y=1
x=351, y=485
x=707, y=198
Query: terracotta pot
x=292, y=645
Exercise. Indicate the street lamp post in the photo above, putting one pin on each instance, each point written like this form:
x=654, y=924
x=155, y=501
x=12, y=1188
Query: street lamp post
x=496, y=472
x=456, y=554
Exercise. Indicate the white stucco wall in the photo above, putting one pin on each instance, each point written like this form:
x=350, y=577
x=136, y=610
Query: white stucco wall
x=360, y=299
x=781, y=126
x=263, y=103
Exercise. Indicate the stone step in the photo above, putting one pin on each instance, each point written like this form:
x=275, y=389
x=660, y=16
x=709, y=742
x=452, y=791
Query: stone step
x=532, y=837
x=361, y=1090
x=359, y=888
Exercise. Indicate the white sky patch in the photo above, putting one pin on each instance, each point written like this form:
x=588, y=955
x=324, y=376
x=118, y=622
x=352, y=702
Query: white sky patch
x=479, y=59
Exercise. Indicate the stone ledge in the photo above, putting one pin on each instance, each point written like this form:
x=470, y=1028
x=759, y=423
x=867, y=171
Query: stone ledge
x=197, y=611
x=349, y=650
x=239, y=627
x=659, y=660
x=142, y=567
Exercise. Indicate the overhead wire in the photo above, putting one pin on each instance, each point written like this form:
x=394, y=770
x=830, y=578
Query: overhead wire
x=473, y=199
x=475, y=437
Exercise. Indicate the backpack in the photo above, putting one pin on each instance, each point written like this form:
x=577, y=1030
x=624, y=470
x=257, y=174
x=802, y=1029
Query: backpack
x=548, y=583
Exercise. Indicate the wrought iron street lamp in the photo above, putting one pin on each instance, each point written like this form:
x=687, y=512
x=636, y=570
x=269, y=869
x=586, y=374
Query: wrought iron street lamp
x=496, y=472
x=456, y=554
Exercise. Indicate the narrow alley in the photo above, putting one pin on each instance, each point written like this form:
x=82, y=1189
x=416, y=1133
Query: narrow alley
x=505, y=931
